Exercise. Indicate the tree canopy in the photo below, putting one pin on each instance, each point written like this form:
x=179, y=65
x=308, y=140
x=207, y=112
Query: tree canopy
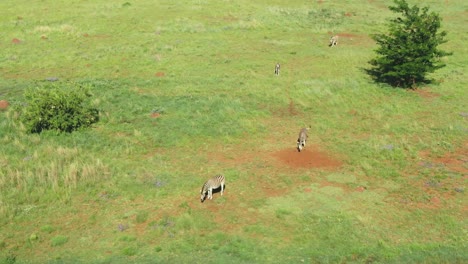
x=410, y=49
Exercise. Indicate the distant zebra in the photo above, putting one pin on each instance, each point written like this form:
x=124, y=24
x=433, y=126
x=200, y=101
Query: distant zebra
x=277, y=68
x=213, y=183
x=333, y=41
x=301, y=139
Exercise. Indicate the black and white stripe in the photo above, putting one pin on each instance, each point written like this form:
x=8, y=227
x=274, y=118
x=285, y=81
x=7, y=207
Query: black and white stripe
x=333, y=41
x=213, y=183
x=277, y=68
x=301, y=139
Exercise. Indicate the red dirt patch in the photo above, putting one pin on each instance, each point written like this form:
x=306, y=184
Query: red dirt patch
x=424, y=93
x=307, y=158
x=433, y=191
x=342, y=186
x=292, y=109
x=272, y=192
x=159, y=74
x=360, y=189
x=4, y=104
x=435, y=201
x=155, y=115
x=456, y=161
x=15, y=41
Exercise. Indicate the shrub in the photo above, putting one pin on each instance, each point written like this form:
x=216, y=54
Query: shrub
x=129, y=251
x=409, y=51
x=65, y=109
x=47, y=228
x=58, y=240
x=141, y=217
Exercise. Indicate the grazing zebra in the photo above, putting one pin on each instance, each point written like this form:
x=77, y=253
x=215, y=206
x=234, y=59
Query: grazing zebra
x=333, y=41
x=213, y=183
x=277, y=68
x=302, y=138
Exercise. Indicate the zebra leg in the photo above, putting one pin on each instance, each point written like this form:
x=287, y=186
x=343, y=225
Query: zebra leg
x=222, y=189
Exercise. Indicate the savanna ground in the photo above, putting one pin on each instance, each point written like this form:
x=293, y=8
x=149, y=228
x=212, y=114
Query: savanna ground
x=186, y=90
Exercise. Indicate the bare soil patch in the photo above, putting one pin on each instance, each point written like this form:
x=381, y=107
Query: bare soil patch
x=155, y=115
x=271, y=191
x=292, y=109
x=436, y=191
x=425, y=93
x=284, y=111
x=310, y=157
x=15, y=41
x=4, y=104
x=159, y=74
x=360, y=189
x=456, y=161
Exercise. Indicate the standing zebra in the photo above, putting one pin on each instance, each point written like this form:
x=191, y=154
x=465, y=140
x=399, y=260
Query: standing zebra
x=302, y=138
x=213, y=183
x=277, y=68
x=333, y=41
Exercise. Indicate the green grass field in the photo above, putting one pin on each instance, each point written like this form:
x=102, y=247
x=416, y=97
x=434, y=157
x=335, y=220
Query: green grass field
x=186, y=90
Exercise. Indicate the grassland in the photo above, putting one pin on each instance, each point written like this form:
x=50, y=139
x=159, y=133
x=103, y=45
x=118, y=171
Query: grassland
x=186, y=90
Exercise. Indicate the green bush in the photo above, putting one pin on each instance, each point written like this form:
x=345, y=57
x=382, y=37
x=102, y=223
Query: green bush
x=58, y=240
x=63, y=108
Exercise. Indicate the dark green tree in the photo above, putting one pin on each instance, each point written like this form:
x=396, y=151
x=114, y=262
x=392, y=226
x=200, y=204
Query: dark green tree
x=410, y=49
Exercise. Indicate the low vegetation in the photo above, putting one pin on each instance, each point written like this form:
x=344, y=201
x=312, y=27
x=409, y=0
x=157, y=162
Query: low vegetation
x=64, y=109
x=164, y=95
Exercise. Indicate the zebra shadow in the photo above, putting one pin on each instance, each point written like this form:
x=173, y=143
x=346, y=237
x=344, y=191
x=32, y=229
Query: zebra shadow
x=217, y=190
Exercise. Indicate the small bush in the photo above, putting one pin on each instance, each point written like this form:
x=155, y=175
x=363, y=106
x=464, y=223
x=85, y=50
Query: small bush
x=58, y=240
x=47, y=229
x=65, y=109
x=33, y=237
x=141, y=217
x=129, y=251
x=127, y=238
x=10, y=259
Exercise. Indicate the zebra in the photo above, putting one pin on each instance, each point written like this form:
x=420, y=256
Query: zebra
x=208, y=186
x=302, y=138
x=277, y=68
x=333, y=41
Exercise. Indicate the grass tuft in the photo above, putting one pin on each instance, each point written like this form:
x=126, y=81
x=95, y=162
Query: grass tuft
x=190, y=93
x=58, y=240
